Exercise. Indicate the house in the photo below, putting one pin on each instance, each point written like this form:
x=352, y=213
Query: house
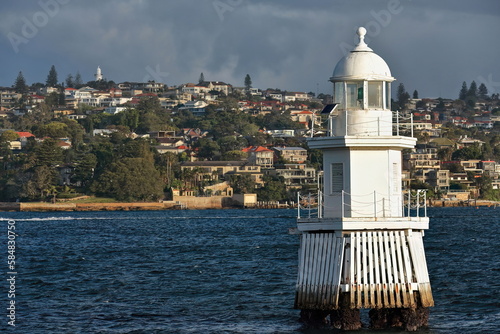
x=304, y=117
x=22, y=141
x=296, y=96
x=296, y=176
x=196, y=107
x=217, y=170
x=421, y=158
x=8, y=97
x=260, y=155
x=114, y=110
x=47, y=90
x=291, y=154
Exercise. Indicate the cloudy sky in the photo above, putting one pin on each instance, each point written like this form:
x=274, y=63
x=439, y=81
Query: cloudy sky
x=431, y=46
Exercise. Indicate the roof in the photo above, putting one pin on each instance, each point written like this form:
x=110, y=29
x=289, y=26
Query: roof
x=25, y=134
x=362, y=64
x=256, y=149
x=289, y=149
x=217, y=163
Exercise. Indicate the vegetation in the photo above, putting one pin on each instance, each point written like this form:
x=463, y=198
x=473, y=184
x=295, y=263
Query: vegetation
x=119, y=167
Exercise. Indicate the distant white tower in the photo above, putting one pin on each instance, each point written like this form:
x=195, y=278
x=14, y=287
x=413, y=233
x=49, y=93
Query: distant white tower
x=98, y=74
x=364, y=250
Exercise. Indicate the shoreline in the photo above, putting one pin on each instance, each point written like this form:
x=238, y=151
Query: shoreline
x=176, y=205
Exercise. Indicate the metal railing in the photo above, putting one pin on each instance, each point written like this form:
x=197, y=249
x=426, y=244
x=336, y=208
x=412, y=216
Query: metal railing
x=398, y=122
x=374, y=205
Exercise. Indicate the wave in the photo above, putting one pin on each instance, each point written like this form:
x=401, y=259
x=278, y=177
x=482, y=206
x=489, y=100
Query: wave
x=55, y=218
x=142, y=218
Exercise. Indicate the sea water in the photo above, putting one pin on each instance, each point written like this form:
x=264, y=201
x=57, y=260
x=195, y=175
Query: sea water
x=214, y=271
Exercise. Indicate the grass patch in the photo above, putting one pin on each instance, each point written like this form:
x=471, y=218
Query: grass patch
x=95, y=200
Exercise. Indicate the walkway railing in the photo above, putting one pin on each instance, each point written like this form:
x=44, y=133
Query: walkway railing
x=399, y=124
x=376, y=205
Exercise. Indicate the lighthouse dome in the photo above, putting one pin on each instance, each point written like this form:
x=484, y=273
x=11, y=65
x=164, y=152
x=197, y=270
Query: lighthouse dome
x=362, y=64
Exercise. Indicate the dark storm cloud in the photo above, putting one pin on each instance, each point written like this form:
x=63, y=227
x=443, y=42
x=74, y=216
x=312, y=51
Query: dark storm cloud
x=431, y=46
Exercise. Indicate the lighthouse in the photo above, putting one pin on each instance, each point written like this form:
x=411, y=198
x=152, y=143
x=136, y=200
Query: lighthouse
x=364, y=249
x=98, y=74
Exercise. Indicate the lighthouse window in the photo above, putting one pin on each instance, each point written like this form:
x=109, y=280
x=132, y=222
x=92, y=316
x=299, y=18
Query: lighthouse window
x=339, y=94
x=388, y=95
x=354, y=95
x=337, y=177
x=375, y=95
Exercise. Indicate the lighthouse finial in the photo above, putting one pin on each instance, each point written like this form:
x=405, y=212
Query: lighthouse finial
x=362, y=46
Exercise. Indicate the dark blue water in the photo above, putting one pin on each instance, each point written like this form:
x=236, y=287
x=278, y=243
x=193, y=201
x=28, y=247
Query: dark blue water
x=215, y=271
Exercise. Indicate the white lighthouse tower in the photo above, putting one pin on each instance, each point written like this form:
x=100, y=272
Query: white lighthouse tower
x=364, y=249
x=98, y=74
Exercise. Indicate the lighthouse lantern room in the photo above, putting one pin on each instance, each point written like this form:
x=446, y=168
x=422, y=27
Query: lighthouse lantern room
x=364, y=249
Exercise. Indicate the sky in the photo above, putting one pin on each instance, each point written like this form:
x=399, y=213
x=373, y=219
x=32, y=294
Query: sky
x=430, y=46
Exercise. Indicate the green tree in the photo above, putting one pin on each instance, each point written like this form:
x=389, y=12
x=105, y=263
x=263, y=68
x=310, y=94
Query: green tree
x=234, y=155
x=20, y=84
x=242, y=184
x=85, y=169
x=52, y=130
x=48, y=153
x=40, y=183
x=168, y=165
x=468, y=153
x=52, y=77
x=472, y=92
x=78, y=80
x=483, y=91
x=273, y=190
x=207, y=148
x=70, y=83
x=202, y=78
x=403, y=96
x=52, y=100
x=138, y=148
x=415, y=94
x=8, y=135
x=463, y=92
x=248, y=83
x=231, y=143
x=130, y=179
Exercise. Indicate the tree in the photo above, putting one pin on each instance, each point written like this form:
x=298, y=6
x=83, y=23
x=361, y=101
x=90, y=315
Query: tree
x=468, y=153
x=463, y=92
x=78, y=80
x=130, y=179
x=248, y=83
x=273, y=190
x=70, y=83
x=40, y=183
x=52, y=130
x=85, y=169
x=483, y=91
x=207, y=148
x=52, y=100
x=20, y=84
x=472, y=92
x=202, y=78
x=415, y=94
x=242, y=184
x=48, y=153
x=403, y=96
x=8, y=135
x=52, y=77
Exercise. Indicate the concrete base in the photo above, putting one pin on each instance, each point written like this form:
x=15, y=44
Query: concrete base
x=344, y=318
x=408, y=319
